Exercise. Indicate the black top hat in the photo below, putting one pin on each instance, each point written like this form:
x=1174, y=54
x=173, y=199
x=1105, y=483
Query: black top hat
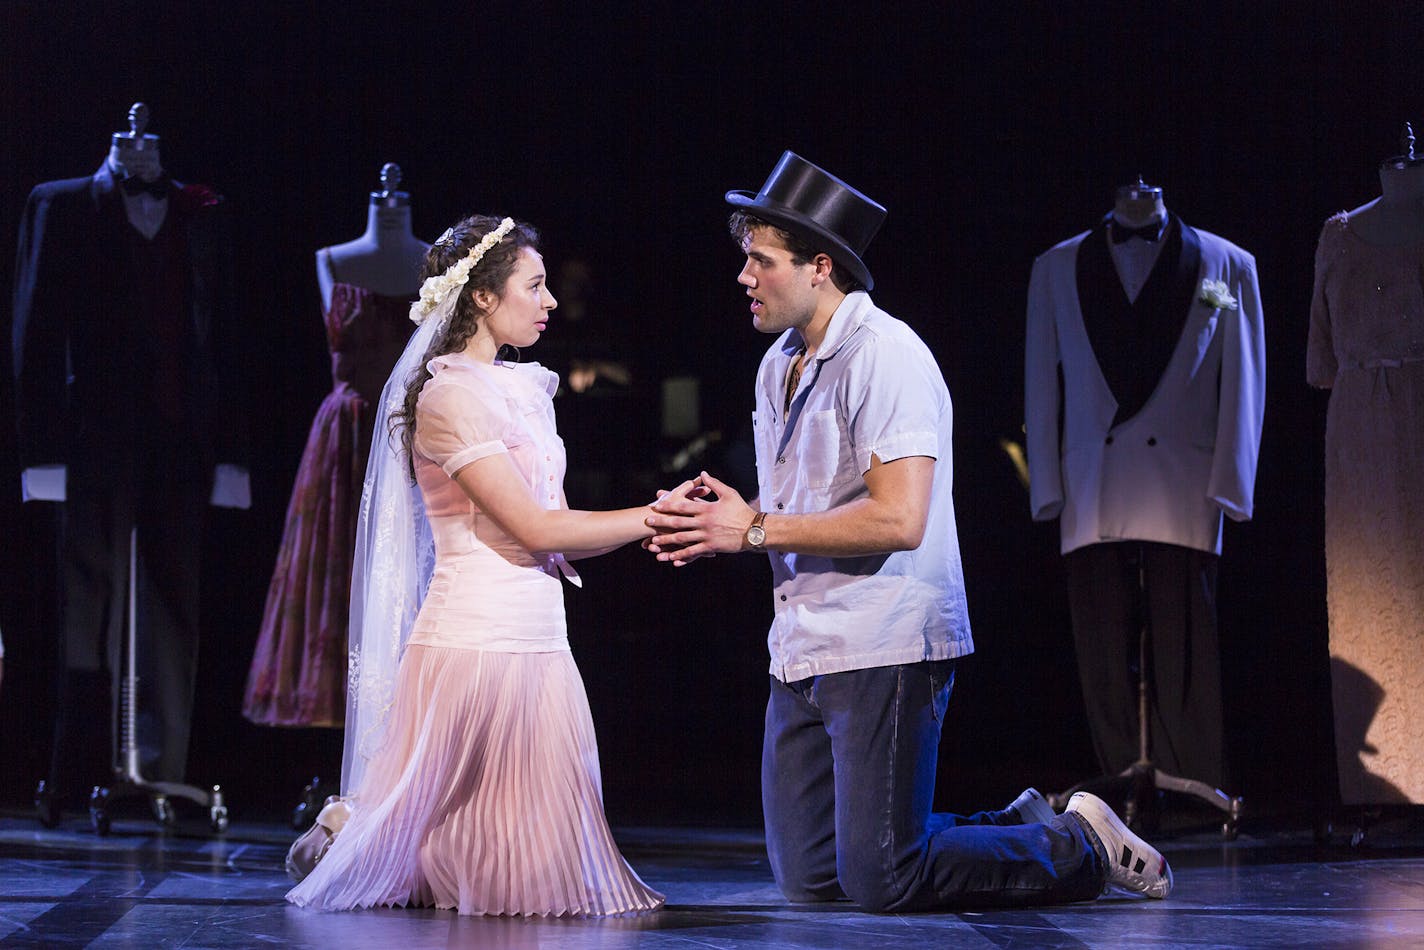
x=819, y=208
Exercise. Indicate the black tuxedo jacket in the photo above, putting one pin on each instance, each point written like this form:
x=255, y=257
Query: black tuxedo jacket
x=84, y=361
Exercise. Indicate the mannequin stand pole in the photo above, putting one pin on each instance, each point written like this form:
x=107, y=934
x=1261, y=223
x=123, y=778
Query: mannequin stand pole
x=128, y=777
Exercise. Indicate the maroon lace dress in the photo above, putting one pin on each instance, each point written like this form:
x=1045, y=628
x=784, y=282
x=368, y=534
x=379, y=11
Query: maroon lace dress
x=298, y=673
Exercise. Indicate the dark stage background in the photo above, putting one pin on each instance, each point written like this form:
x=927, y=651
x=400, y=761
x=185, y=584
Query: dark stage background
x=990, y=130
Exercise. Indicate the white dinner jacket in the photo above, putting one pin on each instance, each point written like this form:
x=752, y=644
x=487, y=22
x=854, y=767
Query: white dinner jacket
x=1167, y=472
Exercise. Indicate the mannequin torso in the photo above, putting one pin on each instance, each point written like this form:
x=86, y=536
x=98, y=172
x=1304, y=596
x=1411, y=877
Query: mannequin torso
x=134, y=154
x=1138, y=205
x=146, y=212
x=385, y=259
x=1396, y=217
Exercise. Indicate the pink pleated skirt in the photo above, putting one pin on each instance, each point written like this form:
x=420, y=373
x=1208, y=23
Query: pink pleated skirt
x=485, y=798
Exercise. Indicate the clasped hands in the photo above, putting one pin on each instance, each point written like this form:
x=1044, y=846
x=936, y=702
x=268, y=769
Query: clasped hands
x=702, y=517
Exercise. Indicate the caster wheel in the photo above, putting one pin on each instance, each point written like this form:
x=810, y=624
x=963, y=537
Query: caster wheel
x=1322, y=831
x=46, y=808
x=1232, y=826
x=217, y=811
x=99, y=811
x=306, y=811
x=163, y=811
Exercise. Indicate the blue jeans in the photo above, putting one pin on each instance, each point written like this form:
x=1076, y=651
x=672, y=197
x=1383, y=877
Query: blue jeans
x=848, y=776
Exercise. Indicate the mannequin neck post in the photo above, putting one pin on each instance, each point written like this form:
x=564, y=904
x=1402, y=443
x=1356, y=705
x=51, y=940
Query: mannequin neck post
x=1135, y=210
x=1402, y=185
x=387, y=223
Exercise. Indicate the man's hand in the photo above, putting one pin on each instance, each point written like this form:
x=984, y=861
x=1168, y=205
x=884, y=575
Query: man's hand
x=694, y=490
x=688, y=527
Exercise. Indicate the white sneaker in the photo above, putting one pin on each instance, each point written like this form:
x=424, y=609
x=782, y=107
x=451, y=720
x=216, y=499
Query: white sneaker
x=1133, y=864
x=1031, y=808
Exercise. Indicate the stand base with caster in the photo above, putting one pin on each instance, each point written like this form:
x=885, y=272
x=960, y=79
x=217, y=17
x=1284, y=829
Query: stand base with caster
x=46, y=807
x=128, y=778
x=160, y=798
x=1362, y=826
x=1140, y=783
x=306, y=811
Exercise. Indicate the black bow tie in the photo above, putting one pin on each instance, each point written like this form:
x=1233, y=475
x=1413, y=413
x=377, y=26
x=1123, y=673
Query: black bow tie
x=1151, y=231
x=137, y=186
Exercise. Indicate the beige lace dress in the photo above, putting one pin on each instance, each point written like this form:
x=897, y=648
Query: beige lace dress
x=1367, y=346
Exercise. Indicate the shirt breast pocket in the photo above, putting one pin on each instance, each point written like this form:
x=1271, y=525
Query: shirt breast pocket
x=821, y=449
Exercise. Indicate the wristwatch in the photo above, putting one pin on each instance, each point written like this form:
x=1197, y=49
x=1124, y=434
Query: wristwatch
x=756, y=534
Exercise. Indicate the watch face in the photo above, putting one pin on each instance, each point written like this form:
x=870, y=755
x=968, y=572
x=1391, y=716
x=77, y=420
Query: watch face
x=756, y=537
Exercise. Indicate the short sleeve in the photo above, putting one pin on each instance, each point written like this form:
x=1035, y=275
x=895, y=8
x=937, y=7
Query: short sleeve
x=459, y=421
x=901, y=402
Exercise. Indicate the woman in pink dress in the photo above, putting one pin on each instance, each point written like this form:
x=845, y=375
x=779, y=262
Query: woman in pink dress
x=471, y=770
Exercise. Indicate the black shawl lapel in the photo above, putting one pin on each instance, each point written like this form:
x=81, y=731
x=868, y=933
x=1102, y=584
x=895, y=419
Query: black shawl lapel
x=106, y=238
x=109, y=206
x=1133, y=341
x=102, y=187
x=1184, y=282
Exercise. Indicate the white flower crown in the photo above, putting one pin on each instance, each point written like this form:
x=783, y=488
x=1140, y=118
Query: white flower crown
x=437, y=290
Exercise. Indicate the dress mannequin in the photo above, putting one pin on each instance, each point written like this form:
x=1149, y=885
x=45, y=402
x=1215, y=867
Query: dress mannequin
x=298, y=671
x=135, y=154
x=1138, y=452
x=387, y=257
x=130, y=393
x=1396, y=217
x=1366, y=345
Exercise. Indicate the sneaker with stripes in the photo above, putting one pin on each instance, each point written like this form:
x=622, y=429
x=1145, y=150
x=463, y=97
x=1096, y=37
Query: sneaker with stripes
x=1031, y=808
x=1133, y=864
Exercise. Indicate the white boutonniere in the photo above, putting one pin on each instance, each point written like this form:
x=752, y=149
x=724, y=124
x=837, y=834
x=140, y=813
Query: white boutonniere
x=1215, y=293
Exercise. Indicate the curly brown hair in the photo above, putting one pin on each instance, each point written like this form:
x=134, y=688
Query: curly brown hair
x=742, y=223
x=490, y=274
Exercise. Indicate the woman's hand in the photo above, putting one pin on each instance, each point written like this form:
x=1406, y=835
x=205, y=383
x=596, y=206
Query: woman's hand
x=688, y=526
